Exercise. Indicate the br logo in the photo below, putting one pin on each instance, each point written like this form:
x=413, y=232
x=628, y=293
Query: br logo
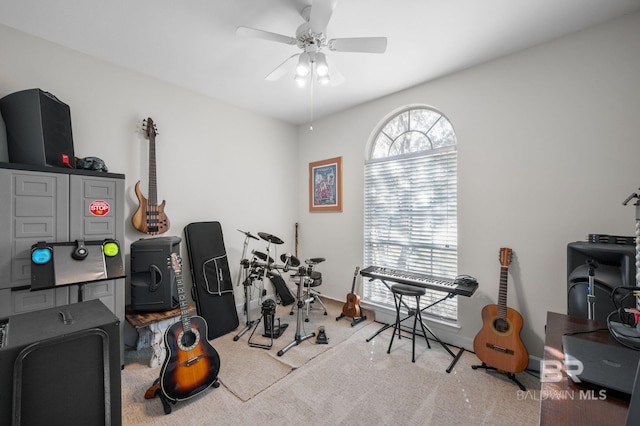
x=551, y=370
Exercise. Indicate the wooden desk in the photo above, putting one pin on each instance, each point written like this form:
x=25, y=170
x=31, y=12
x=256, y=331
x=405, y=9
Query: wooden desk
x=561, y=402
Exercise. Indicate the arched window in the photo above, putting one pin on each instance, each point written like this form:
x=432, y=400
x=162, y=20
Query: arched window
x=410, y=205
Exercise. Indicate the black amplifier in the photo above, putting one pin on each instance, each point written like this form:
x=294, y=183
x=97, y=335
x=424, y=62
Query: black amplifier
x=38, y=129
x=61, y=366
x=153, y=282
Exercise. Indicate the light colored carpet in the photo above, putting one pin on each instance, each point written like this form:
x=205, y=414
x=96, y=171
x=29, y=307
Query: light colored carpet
x=348, y=381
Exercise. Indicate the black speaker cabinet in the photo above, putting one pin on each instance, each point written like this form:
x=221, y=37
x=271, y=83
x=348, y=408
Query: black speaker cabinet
x=38, y=129
x=61, y=366
x=613, y=266
x=153, y=285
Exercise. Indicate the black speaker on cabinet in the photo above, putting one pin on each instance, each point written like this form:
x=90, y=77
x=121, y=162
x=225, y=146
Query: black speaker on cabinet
x=61, y=366
x=38, y=129
x=613, y=266
x=153, y=284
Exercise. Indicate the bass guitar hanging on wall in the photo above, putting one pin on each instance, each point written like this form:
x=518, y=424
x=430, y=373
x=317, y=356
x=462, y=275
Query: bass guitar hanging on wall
x=150, y=217
x=498, y=343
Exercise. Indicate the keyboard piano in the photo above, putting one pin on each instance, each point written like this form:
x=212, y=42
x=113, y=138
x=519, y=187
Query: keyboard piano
x=461, y=287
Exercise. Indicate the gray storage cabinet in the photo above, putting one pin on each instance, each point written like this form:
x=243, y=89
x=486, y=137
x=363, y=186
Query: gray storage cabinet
x=55, y=205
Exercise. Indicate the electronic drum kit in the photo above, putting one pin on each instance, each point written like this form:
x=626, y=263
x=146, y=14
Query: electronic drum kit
x=262, y=266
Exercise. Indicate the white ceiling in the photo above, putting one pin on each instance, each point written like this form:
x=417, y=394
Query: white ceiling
x=192, y=43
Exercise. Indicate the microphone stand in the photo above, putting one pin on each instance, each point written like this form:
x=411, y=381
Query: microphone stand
x=591, y=297
x=637, y=204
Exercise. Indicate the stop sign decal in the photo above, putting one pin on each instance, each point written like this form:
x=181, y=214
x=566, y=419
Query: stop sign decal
x=99, y=208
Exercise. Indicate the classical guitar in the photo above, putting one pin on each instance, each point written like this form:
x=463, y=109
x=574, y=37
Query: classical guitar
x=150, y=217
x=351, y=308
x=498, y=343
x=191, y=364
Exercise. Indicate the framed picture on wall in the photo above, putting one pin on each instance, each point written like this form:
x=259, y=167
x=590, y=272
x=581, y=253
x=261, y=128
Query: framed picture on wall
x=325, y=185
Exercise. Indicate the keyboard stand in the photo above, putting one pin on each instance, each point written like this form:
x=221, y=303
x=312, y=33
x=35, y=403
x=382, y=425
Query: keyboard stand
x=412, y=312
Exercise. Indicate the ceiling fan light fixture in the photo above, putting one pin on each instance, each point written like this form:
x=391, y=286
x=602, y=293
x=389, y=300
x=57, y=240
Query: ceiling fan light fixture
x=301, y=80
x=322, y=68
x=311, y=39
x=324, y=79
x=304, y=65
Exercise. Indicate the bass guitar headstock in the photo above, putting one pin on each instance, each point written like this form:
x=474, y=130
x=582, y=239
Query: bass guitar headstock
x=505, y=256
x=149, y=127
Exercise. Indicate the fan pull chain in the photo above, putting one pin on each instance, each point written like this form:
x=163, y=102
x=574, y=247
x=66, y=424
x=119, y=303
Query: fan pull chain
x=311, y=105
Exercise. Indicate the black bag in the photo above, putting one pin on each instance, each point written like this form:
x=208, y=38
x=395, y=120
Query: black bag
x=212, y=288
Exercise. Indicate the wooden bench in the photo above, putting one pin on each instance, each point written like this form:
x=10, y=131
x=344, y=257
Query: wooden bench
x=151, y=328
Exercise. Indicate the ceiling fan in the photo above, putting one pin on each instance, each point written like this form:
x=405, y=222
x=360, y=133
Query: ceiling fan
x=312, y=40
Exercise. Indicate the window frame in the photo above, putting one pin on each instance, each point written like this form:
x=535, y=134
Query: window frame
x=445, y=310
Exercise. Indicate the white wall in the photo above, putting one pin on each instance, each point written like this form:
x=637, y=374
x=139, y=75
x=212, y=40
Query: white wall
x=215, y=162
x=548, y=150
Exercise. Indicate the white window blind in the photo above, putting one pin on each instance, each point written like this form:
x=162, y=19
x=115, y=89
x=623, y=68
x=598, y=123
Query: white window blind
x=410, y=221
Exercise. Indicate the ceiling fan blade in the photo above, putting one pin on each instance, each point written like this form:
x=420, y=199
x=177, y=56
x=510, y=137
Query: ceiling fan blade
x=321, y=11
x=265, y=35
x=359, y=44
x=285, y=67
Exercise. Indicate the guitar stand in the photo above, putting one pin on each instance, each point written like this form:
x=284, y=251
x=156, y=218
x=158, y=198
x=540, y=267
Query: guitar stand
x=411, y=313
x=354, y=320
x=154, y=391
x=511, y=376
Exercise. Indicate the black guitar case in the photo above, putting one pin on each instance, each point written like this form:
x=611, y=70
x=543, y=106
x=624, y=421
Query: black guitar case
x=212, y=288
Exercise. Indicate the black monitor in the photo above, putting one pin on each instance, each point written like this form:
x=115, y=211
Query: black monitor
x=614, y=266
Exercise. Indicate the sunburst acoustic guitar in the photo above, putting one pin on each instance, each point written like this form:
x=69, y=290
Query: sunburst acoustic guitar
x=498, y=343
x=150, y=217
x=192, y=364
